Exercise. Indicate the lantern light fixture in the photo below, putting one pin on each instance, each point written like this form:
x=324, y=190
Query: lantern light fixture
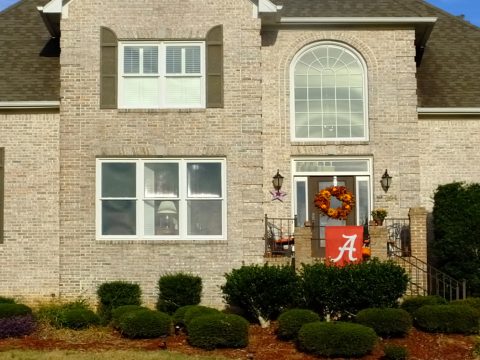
x=277, y=181
x=386, y=181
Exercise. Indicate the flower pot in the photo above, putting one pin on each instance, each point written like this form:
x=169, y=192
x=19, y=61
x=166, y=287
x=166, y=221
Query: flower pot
x=378, y=221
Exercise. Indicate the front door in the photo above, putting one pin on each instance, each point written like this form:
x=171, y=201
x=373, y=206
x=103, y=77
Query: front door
x=320, y=221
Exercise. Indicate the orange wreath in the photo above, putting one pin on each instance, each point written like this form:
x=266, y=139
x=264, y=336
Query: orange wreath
x=322, y=201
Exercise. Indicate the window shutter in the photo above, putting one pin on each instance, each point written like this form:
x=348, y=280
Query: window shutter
x=214, y=44
x=2, y=197
x=108, y=69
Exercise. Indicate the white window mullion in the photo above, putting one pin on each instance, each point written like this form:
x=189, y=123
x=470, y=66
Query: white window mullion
x=182, y=216
x=140, y=199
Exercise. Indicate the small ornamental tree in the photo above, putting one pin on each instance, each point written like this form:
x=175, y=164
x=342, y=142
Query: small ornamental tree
x=344, y=291
x=261, y=291
x=456, y=246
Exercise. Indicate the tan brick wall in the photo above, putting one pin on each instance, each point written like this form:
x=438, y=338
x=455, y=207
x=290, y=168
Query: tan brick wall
x=87, y=132
x=30, y=252
x=393, y=123
x=449, y=148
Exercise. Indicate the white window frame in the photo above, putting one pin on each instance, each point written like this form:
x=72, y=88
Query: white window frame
x=162, y=73
x=140, y=199
x=292, y=94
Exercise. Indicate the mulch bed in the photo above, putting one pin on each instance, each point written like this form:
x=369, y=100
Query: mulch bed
x=263, y=345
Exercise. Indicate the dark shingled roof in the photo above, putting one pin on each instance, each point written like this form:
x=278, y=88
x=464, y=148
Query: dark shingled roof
x=449, y=75
x=25, y=73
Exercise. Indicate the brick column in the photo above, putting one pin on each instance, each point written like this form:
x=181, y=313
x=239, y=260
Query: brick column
x=378, y=241
x=303, y=246
x=418, y=232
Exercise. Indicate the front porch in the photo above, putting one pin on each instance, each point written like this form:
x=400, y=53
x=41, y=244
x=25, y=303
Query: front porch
x=403, y=241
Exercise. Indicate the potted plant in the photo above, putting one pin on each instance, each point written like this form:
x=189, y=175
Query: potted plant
x=379, y=215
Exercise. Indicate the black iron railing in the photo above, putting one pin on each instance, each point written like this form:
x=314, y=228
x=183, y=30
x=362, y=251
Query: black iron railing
x=279, y=236
x=424, y=278
x=428, y=280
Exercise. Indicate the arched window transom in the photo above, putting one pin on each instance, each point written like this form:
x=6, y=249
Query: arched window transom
x=329, y=90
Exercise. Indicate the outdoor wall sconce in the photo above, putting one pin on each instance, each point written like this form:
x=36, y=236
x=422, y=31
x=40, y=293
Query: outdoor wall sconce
x=277, y=185
x=386, y=181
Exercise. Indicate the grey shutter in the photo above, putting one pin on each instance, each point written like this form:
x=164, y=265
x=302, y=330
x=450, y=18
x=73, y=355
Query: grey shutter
x=2, y=193
x=108, y=69
x=214, y=80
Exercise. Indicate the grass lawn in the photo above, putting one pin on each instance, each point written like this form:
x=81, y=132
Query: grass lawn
x=104, y=355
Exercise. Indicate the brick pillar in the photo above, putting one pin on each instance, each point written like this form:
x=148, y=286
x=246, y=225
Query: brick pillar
x=303, y=246
x=418, y=232
x=378, y=241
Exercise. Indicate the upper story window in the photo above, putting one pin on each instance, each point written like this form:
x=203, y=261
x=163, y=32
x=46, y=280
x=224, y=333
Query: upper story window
x=162, y=75
x=329, y=96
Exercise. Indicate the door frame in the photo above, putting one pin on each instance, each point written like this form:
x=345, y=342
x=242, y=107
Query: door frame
x=362, y=173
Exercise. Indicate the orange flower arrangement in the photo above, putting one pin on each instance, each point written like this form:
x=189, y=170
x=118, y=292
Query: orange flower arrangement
x=323, y=197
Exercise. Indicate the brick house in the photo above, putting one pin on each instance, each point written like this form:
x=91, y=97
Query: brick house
x=148, y=144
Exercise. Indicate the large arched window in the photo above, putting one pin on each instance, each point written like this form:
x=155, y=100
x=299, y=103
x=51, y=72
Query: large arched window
x=329, y=94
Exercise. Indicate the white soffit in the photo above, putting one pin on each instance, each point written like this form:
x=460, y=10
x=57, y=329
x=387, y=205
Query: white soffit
x=12, y=105
x=449, y=111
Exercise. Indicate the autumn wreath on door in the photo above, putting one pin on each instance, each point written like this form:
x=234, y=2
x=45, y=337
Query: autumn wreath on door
x=323, y=198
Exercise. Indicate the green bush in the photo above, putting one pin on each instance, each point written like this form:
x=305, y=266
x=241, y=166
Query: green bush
x=118, y=313
x=178, y=316
x=114, y=294
x=386, y=322
x=177, y=290
x=413, y=303
x=344, y=291
x=336, y=339
x=145, y=324
x=78, y=318
x=456, y=243
x=6, y=300
x=262, y=292
x=196, y=311
x=460, y=319
x=474, y=302
x=54, y=313
x=9, y=310
x=218, y=331
x=290, y=322
x=395, y=352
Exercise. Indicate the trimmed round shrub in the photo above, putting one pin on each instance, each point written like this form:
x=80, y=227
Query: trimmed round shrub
x=78, y=318
x=395, y=352
x=474, y=302
x=145, y=324
x=290, y=322
x=386, y=322
x=7, y=300
x=218, y=331
x=336, y=339
x=9, y=310
x=197, y=311
x=118, y=313
x=115, y=294
x=178, y=316
x=261, y=292
x=17, y=325
x=413, y=303
x=459, y=319
x=177, y=290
